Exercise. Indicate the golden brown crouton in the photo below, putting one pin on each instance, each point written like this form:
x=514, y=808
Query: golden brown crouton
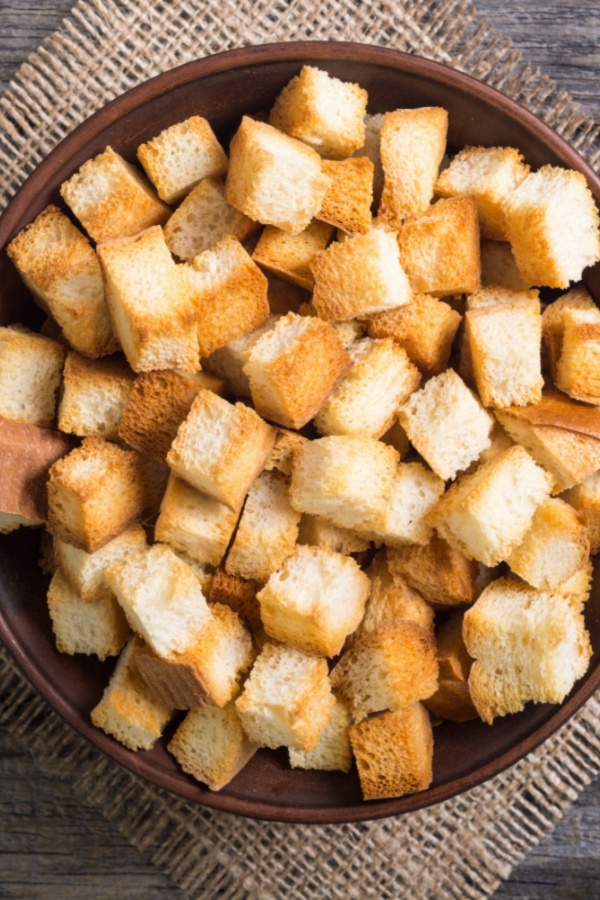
x=347, y=203
x=442, y=574
x=289, y=256
x=30, y=374
x=498, y=266
x=239, y=594
x=553, y=322
x=94, y=396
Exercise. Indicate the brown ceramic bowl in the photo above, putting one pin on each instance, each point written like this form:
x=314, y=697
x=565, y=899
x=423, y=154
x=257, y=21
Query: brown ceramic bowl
x=222, y=88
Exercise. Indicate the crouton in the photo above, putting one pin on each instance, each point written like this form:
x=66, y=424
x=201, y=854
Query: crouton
x=150, y=303
x=552, y=226
x=94, y=493
x=439, y=250
x=62, y=271
x=239, y=595
x=347, y=203
x=30, y=373
x=553, y=322
x=359, y=277
x=314, y=601
x=290, y=255
x=181, y=156
x=446, y=424
x=498, y=266
x=228, y=362
x=319, y=533
x=413, y=142
x=578, y=588
x=443, y=575
x=111, y=199
x=94, y=396
x=452, y=700
x=333, y=752
x=528, y=645
x=273, y=178
x=371, y=149
x=323, y=112
x=585, y=498
x=220, y=448
x=281, y=458
x=365, y=403
x=287, y=699
x=294, y=368
x=578, y=369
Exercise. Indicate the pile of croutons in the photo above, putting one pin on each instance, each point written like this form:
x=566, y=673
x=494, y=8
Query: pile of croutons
x=339, y=474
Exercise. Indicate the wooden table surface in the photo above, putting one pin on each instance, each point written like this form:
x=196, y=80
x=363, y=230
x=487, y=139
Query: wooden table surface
x=52, y=846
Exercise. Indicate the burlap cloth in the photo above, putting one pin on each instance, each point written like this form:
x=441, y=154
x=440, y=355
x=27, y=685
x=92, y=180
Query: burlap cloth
x=466, y=846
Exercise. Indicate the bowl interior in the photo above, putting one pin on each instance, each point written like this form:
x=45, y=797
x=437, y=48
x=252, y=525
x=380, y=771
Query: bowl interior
x=222, y=88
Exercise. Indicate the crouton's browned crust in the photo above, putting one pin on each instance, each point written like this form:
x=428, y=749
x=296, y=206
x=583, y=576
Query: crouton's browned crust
x=239, y=594
x=347, y=203
x=442, y=574
x=289, y=256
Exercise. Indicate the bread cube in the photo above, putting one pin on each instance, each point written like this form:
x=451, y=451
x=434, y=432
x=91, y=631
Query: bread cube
x=290, y=255
x=452, y=699
x=193, y=523
x=347, y=203
x=229, y=293
x=578, y=368
x=441, y=573
x=394, y=752
x=111, y=199
x=585, y=498
x=439, y=251
x=496, y=295
x=415, y=492
x=94, y=396
x=528, y=645
x=425, y=328
x=281, y=458
x=388, y=668
x=555, y=547
x=413, y=143
x=498, y=266
x=294, y=368
x=220, y=448
x=359, y=277
x=287, y=699
x=62, y=271
x=365, y=403
x=486, y=515
x=488, y=174
x=446, y=424
x=371, y=149
x=273, y=178
x=239, y=595
x=181, y=156
x=318, y=532
x=85, y=571
x=95, y=629
x=30, y=373
x=333, y=752
x=228, y=362
x=553, y=323
x=128, y=711
x=94, y=493
x=345, y=479
x=150, y=303
x=323, y=112
x=578, y=588
x=211, y=745
x=314, y=601
x=552, y=226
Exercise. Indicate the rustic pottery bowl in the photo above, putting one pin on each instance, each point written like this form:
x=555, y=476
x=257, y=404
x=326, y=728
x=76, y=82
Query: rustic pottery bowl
x=222, y=88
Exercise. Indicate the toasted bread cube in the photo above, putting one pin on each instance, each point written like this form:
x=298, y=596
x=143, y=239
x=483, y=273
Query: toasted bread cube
x=413, y=143
x=446, y=424
x=347, y=203
x=161, y=597
x=290, y=255
x=211, y=745
x=62, y=271
x=318, y=532
x=94, y=493
x=323, y=112
x=415, y=492
x=128, y=711
x=425, y=328
x=267, y=531
x=585, y=498
x=207, y=672
x=394, y=752
x=578, y=369
x=281, y=458
x=552, y=226
x=294, y=368
x=371, y=149
x=528, y=645
x=498, y=266
x=439, y=251
x=488, y=174
x=486, y=515
x=578, y=588
x=181, y=156
x=452, y=700
x=229, y=292
x=193, y=523
x=388, y=668
x=150, y=303
x=287, y=699
x=333, y=752
x=221, y=448
x=111, y=199
x=228, y=362
x=95, y=629
x=443, y=575
x=94, y=396
x=240, y=595
x=85, y=571
x=553, y=323
x=496, y=295
x=30, y=373
x=314, y=601
x=273, y=178
x=381, y=379
x=555, y=547
x=345, y=479
x=359, y=277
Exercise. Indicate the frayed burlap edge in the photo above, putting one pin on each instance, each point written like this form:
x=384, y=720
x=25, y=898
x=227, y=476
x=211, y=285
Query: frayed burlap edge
x=455, y=849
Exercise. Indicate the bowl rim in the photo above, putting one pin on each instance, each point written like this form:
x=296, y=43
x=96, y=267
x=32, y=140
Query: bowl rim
x=257, y=55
